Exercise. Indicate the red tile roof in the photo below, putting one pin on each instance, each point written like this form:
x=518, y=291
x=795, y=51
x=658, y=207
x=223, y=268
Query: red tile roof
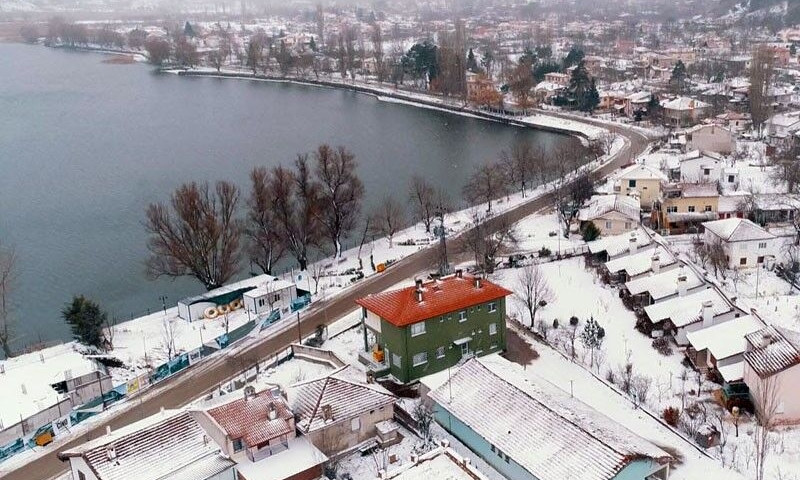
x=450, y=294
x=249, y=419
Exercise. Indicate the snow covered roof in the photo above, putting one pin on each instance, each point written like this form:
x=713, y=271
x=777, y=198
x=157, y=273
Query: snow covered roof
x=249, y=418
x=785, y=119
x=170, y=444
x=300, y=456
x=441, y=464
x=777, y=201
x=346, y=397
x=641, y=261
x=688, y=309
x=725, y=339
x=600, y=205
x=772, y=350
x=248, y=283
x=641, y=172
x=538, y=425
x=663, y=284
x=733, y=372
x=693, y=190
x=268, y=287
x=731, y=202
x=737, y=230
x=617, y=244
x=448, y=294
x=684, y=103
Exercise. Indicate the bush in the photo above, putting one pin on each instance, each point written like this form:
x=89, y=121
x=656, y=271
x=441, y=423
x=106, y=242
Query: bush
x=542, y=303
x=573, y=320
x=662, y=346
x=590, y=232
x=671, y=416
x=555, y=323
x=544, y=252
x=601, y=332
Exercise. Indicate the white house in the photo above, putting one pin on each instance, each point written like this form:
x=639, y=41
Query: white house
x=746, y=244
x=721, y=347
x=612, y=214
x=195, y=308
x=690, y=312
x=698, y=167
x=712, y=138
x=272, y=294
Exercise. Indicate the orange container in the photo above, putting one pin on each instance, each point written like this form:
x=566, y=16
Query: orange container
x=380, y=267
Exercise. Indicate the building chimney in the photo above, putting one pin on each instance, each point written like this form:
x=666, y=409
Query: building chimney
x=681, y=285
x=708, y=313
x=418, y=283
x=418, y=293
x=459, y=273
x=766, y=339
x=632, y=245
x=655, y=264
x=108, y=429
x=477, y=282
x=249, y=392
x=273, y=412
x=327, y=413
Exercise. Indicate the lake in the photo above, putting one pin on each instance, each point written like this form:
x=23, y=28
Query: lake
x=86, y=145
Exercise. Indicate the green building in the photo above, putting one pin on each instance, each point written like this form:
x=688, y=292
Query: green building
x=431, y=326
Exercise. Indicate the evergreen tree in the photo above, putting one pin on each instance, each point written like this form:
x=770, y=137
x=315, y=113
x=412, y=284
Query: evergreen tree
x=592, y=99
x=590, y=232
x=472, y=63
x=574, y=57
x=543, y=68
x=678, y=78
x=544, y=51
x=592, y=337
x=312, y=45
x=188, y=30
x=528, y=57
x=86, y=321
x=793, y=50
x=580, y=85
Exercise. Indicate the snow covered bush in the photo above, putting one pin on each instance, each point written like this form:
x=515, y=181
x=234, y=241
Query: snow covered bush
x=671, y=416
x=662, y=346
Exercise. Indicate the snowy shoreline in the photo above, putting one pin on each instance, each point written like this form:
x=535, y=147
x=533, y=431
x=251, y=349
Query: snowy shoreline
x=541, y=120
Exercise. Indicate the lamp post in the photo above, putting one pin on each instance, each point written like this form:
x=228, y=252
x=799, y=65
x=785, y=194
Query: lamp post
x=735, y=412
x=163, y=299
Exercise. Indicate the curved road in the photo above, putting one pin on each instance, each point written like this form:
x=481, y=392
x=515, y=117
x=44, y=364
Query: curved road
x=186, y=386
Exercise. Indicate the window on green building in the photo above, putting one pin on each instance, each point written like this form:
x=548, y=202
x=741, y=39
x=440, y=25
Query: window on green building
x=396, y=360
x=440, y=352
x=420, y=358
x=492, y=329
x=492, y=307
x=462, y=316
x=417, y=329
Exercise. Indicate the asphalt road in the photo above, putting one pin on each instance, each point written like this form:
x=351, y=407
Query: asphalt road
x=184, y=387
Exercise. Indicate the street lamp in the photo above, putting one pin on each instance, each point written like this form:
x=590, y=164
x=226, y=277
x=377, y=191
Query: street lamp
x=163, y=299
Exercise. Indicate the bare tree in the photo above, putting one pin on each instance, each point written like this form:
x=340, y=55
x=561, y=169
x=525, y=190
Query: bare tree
x=340, y=192
x=295, y=206
x=533, y=289
x=717, y=257
x=377, y=51
x=265, y=246
x=484, y=185
x=424, y=417
x=791, y=251
x=766, y=400
x=761, y=72
x=7, y=277
x=168, y=334
x=423, y=197
x=518, y=165
x=254, y=53
x=196, y=234
x=487, y=239
x=388, y=218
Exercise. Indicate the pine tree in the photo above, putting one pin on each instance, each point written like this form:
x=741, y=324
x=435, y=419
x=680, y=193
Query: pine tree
x=590, y=232
x=678, y=78
x=312, y=45
x=579, y=86
x=86, y=321
x=793, y=50
x=592, y=337
x=574, y=57
x=472, y=63
x=592, y=99
x=188, y=30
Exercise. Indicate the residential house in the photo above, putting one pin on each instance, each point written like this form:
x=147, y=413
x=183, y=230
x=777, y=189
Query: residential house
x=640, y=180
x=481, y=90
x=721, y=347
x=771, y=372
x=170, y=444
x=781, y=128
x=636, y=104
x=684, y=111
x=746, y=244
x=710, y=138
x=427, y=328
x=255, y=425
x=638, y=264
x=656, y=287
x=610, y=247
x=688, y=313
x=685, y=206
x=700, y=167
x=337, y=412
x=734, y=121
x=269, y=296
x=528, y=429
x=194, y=308
x=611, y=214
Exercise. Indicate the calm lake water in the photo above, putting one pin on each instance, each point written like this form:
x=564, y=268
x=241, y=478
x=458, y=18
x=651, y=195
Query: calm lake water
x=86, y=145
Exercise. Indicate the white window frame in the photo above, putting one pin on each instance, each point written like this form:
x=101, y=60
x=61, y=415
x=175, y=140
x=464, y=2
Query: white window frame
x=608, y=224
x=762, y=244
x=420, y=358
x=440, y=352
x=355, y=424
x=492, y=329
x=462, y=316
x=397, y=360
x=417, y=329
x=492, y=307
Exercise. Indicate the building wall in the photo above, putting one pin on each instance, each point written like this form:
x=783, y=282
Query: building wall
x=640, y=469
x=341, y=435
x=442, y=332
x=786, y=388
x=78, y=464
x=750, y=251
x=497, y=459
x=711, y=138
x=614, y=223
x=87, y=387
x=649, y=190
x=253, y=304
x=682, y=340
